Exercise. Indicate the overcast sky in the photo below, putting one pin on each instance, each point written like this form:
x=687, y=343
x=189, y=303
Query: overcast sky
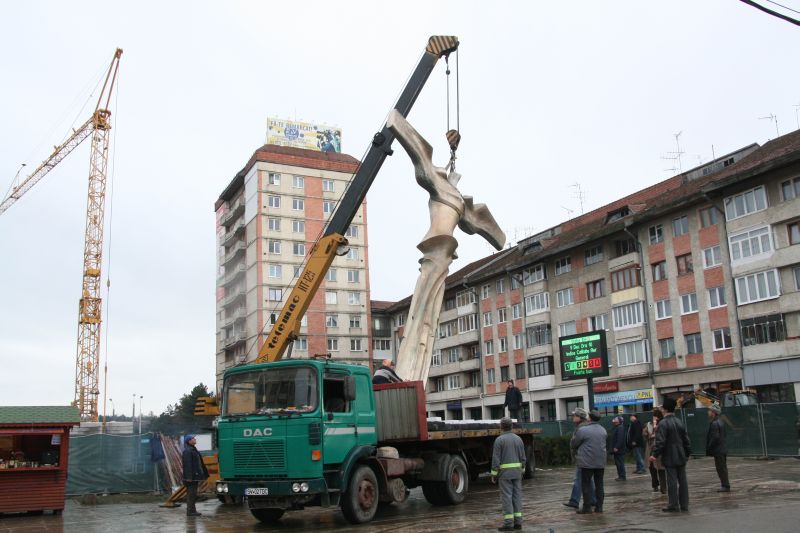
x=552, y=94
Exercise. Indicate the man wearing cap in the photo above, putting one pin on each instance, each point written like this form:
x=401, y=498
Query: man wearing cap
x=716, y=446
x=386, y=373
x=194, y=473
x=618, y=446
x=579, y=418
x=508, y=464
x=588, y=443
x=673, y=447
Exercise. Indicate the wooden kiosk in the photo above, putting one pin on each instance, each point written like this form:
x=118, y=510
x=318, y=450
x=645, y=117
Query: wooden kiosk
x=34, y=447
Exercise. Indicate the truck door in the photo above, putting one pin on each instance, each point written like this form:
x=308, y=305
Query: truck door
x=339, y=419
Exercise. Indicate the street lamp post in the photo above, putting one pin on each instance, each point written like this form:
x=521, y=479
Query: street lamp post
x=140, y=414
x=113, y=411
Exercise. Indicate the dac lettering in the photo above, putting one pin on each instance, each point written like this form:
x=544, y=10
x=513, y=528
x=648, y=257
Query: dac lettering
x=266, y=432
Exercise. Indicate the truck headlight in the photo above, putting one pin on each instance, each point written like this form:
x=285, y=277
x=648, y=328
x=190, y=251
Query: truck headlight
x=222, y=488
x=304, y=487
x=295, y=487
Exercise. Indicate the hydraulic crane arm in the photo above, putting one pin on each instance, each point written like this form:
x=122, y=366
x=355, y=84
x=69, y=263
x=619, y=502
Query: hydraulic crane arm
x=324, y=251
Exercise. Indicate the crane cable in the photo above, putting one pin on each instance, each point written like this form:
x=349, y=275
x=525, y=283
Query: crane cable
x=453, y=135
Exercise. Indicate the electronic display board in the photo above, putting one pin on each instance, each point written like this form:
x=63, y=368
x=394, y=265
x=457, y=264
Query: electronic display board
x=583, y=355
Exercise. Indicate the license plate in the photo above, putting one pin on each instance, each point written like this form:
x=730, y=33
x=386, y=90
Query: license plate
x=257, y=491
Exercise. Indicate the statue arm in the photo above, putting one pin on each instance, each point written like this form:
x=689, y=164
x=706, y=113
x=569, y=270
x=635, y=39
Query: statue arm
x=417, y=148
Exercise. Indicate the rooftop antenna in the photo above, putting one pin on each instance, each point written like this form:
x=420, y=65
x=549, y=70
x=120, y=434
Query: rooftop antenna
x=579, y=194
x=773, y=118
x=569, y=211
x=796, y=116
x=676, y=155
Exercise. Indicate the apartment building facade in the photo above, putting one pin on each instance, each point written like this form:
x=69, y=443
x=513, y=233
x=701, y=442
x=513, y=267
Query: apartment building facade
x=268, y=218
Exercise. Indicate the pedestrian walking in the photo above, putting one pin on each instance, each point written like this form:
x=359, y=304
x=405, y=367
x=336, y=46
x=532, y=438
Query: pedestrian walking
x=588, y=443
x=513, y=400
x=634, y=442
x=673, y=447
x=194, y=473
x=618, y=446
x=579, y=417
x=508, y=464
x=717, y=447
x=658, y=476
x=386, y=373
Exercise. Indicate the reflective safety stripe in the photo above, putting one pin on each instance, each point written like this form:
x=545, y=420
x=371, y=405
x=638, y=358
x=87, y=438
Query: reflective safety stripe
x=511, y=465
x=494, y=472
x=509, y=516
x=517, y=515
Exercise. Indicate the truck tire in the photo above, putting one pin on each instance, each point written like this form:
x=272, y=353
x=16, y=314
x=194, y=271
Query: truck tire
x=530, y=462
x=360, y=501
x=454, y=489
x=267, y=516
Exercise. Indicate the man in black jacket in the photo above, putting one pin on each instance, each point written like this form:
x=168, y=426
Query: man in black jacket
x=672, y=445
x=717, y=448
x=513, y=400
x=635, y=442
x=618, y=447
x=385, y=374
x=194, y=473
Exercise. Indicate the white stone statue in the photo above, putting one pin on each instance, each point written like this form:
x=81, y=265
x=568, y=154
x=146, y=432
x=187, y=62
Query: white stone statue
x=448, y=209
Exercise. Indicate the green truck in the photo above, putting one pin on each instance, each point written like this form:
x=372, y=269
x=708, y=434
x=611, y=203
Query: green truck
x=300, y=433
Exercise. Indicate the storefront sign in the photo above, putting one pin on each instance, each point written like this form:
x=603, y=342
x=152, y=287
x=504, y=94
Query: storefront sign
x=454, y=406
x=606, y=386
x=304, y=135
x=628, y=397
x=583, y=355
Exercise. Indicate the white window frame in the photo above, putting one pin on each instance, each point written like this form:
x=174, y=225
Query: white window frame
x=719, y=334
x=274, y=202
x=352, y=253
x=601, y=320
x=732, y=209
x=352, y=231
x=353, y=298
x=663, y=309
x=299, y=249
x=696, y=338
x=500, y=286
x=273, y=224
x=484, y=291
x=539, y=303
x=751, y=283
x=353, y=276
x=331, y=274
x=682, y=226
x=436, y=358
x=301, y=344
x=274, y=294
x=467, y=323
x=298, y=204
x=333, y=344
x=328, y=206
x=722, y=299
x=331, y=298
x=487, y=319
x=564, y=297
x=567, y=328
x=656, y=234
x=712, y=256
x=503, y=345
x=331, y=320
x=660, y=266
x=357, y=345
x=328, y=186
x=298, y=182
x=563, y=265
x=760, y=236
x=533, y=274
x=275, y=271
x=519, y=343
x=454, y=382
x=273, y=178
x=593, y=255
x=355, y=321
x=516, y=311
x=502, y=315
x=490, y=375
x=671, y=342
x=629, y=315
x=488, y=347
x=689, y=299
x=274, y=247
x=299, y=226
x=626, y=346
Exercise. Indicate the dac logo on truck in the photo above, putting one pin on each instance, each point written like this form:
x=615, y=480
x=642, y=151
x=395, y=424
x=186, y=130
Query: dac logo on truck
x=266, y=432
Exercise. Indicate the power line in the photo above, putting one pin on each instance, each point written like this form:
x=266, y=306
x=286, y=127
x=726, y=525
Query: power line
x=783, y=6
x=771, y=12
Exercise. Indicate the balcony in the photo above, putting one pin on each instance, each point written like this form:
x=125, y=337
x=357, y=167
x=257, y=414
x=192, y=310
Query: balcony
x=770, y=351
x=627, y=260
x=455, y=394
x=235, y=339
x=236, y=210
x=234, y=274
x=236, y=230
x=235, y=295
x=234, y=252
x=453, y=368
x=468, y=337
x=542, y=382
x=240, y=313
x=467, y=309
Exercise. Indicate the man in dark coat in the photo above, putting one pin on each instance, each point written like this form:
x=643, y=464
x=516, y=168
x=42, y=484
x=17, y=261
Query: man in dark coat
x=618, y=447
x=717, y=448
x=673, y=447
x=634, y=441
x=385, y=374
x=588, y=443
x=194, y=473
x=513, y=400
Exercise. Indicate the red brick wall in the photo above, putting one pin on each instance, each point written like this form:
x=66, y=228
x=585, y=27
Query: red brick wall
x=718, y=318
x=708, y=236
x=686, y=284
x=694, y=360
x=681, y=244
x=664, y=328
x=668, y=364
x=723, y=357
x=690, y=323
x=714, y=277
x=656, y=252
x=660, y=290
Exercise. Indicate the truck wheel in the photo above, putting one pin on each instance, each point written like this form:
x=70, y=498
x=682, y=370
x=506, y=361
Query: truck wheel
x=530, y=462
x=267, y=516
x=360, y=501
x=454, y=489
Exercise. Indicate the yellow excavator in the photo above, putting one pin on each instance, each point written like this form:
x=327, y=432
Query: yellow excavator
x=731, y=398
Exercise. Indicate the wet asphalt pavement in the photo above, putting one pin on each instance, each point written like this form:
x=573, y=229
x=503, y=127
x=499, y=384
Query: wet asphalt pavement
x=765, y=498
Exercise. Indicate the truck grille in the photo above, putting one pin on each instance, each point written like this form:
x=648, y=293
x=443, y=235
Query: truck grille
x=258, y=458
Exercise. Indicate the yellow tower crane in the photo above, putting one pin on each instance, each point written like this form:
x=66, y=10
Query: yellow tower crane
x=87, y=365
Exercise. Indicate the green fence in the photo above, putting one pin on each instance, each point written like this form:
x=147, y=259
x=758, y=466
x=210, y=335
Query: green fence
x=109, y=464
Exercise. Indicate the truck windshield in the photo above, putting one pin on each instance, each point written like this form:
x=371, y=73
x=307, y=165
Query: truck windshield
x=274, y=391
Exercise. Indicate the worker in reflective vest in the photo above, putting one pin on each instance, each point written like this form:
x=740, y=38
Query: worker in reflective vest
x=508, y=464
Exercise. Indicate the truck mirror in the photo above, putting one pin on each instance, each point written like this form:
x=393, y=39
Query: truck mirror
x=349, y=388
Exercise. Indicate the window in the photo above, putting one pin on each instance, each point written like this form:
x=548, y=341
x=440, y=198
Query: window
x=488, y=347
x=595, y=289
x=328, y=206
x=656, y=234
x=660, y=271
x=628, y=315
x=299, y=248
x=447, y=329
x=436, y=358
x=273, y=178
x=515, y=282
x=297, y=269
x=711, y=257
x=438, y=384
x=274, y=295
x=567, y=328
x=465, y=298
x=533, y=274
x=667, y=347
x=745, y=203
x=352, y=253
x=298, y=204
x=454, y=381
x=685, y=264
x=331, y=321
x=297, y=182
x=274, y=247
x=401, y=320
x=467, y=323
x=624, y=247
x=333, y=344
x=563, y=266
x=503, y=345
x=298, y=226
x=331, y=297
x=593, y=255
x=763, y=329
x=474, y=380
x=502, y=315
x=353, y=298
x=516, y=311
x=620, y=213
x=688, y=303
x=694, y=343
x=274, y=224
x=796, y=271
x=751, y=243
x=716, y=297
x=790, y=189
x=352, y=231
x=484, y=292
x=722, y=339
x=449, y=303
x=490, y=375
x=301, y=344
x=331, y=275
x=680, y=226
x=794, y=232
x=452, y=355
x=328, y=186
x=631, y=353
x=274, y=201
x=275, y=271
x=355, y=321
x=540, y=366
x=519, y=371
x=536, y=303
x=500, y=286
x=352, y=276
x=663, y=309
x=504, y=374
x=487, y=319
x=598, y=322
x=356, y=345
x=757, y=287
x=538, y=335
x=564, y=297
x=518, y=344
x=382, y=344
x=625, y=279
x=708, y=216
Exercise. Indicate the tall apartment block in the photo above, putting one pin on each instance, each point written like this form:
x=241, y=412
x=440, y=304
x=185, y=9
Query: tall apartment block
x=696, y=281
x=268, y=218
